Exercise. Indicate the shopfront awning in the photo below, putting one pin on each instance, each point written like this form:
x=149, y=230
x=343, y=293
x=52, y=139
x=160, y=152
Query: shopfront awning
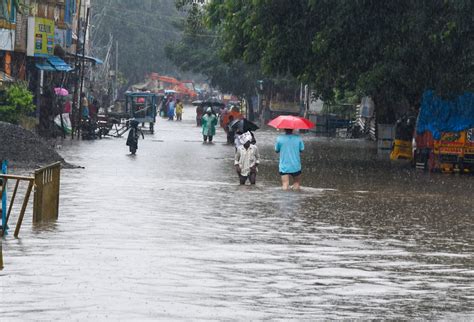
x=45, y=66
x=54, y=64
x=94, y=60
x=59, y=64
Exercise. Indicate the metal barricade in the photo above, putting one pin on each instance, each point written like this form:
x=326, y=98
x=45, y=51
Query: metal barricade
x=5, y=178
x=46, y=198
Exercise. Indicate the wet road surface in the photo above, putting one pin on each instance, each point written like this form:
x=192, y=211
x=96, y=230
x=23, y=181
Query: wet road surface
x=169, y=234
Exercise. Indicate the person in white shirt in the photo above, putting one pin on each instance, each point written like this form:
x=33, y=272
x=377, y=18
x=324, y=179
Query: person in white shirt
x=247, y=159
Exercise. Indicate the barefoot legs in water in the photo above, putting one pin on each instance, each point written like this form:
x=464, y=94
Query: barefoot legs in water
x=296, y=182
x=285, y=182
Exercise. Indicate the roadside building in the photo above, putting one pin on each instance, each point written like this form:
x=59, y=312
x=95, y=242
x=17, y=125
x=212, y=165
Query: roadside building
x=38, y=44
x=7, y=37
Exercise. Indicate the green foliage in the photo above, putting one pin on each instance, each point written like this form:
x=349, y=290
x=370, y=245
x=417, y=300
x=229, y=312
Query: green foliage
x=199, y=52
x=17, y=101
x=391, y=50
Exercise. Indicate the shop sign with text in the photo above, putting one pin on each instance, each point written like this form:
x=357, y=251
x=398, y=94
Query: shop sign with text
x=40, y=37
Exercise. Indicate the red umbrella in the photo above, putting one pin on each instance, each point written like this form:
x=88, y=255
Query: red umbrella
x=291, y=122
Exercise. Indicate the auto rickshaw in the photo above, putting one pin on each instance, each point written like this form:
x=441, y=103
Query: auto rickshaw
x=141, y=106
x=403, y=146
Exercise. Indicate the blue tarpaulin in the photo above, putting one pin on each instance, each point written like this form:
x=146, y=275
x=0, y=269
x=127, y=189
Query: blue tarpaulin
x=54, y=64
x=59, y=64
x=438, y=115
x=45, y=66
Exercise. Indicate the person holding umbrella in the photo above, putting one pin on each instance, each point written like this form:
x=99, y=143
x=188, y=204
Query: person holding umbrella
x=247, y=159
x=290, y=146
x=241, y=126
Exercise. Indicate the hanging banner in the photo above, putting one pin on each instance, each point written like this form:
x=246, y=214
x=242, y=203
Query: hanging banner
x=63, y=37
x=60, y=36
x=40, y=37
x=7, y=39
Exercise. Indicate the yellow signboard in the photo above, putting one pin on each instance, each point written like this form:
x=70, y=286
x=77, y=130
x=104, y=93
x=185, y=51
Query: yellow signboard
x=40, y=37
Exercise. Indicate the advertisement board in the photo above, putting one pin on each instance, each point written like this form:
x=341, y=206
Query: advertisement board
x=40, y=37
x=7, y=39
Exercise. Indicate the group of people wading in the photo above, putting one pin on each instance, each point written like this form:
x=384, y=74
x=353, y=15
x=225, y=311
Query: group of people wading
x=172, y=107
x=247, y=157
x=289, y=146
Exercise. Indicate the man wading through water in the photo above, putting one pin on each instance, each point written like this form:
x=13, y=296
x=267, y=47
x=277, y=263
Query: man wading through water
x=247, y=159
x=290, y=147
x=209, y=122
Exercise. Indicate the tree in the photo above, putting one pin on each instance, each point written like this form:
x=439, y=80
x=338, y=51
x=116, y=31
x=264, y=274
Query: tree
x=142, y=28
x=391, y=50
x=199, y=52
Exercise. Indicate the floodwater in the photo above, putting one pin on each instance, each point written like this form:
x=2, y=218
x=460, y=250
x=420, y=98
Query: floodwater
x=169, y=234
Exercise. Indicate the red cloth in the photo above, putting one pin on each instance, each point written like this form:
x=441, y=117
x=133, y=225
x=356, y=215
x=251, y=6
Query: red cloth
x=67, y=107
x=92, y=110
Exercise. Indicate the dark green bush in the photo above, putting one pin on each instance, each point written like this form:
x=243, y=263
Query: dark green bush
x=16, y=101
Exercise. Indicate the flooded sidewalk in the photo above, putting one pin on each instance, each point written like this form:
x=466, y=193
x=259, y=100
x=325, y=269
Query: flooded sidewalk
x=169, y=234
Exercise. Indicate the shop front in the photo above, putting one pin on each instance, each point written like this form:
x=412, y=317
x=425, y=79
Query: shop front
x=51, y=70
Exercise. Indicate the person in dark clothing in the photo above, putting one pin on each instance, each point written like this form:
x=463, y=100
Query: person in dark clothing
x=133, y=135
x=163, y=111
x=230, y=131
x=199, y=114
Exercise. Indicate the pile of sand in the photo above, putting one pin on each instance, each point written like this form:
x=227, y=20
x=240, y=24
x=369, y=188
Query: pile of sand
x=24, y=148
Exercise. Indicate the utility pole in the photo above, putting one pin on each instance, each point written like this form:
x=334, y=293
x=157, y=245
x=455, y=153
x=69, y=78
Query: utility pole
x=116, y=69
x=76, y=75
x=83, y=60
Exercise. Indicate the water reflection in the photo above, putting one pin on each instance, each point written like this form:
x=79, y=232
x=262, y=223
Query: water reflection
x=169, y=234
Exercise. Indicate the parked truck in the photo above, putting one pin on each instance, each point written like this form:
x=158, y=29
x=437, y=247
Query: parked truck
x=444, y=137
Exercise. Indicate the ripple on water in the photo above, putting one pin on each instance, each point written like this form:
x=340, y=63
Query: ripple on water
x=169, y=234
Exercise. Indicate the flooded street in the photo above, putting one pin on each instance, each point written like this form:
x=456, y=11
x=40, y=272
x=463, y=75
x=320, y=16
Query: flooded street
x=169, y=234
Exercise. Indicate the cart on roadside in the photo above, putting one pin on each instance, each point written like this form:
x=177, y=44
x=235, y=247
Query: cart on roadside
x=112, y=124
x=141, y=106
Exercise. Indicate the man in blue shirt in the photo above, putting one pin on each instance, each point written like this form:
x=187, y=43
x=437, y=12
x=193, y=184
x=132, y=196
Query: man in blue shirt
x=290, y=147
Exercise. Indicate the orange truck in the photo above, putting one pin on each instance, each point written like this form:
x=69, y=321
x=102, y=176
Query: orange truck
x=453, y=152
x=444, y=133
x=468, y=154
x=445, y=154
x=449, y=151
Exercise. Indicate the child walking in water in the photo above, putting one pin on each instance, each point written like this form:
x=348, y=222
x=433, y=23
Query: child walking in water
x=133, y=135
x=179, y=110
